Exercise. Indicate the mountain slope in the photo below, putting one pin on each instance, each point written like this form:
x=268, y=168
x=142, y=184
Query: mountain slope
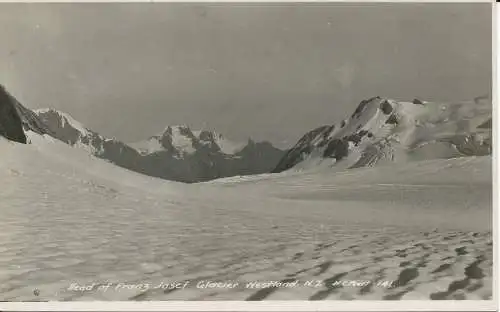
x=178, y=153
x=382, y=131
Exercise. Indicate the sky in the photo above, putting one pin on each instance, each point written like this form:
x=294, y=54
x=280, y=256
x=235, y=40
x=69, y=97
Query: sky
x=267, y=71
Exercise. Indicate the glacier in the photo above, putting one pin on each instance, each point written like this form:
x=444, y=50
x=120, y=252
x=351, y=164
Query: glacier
x=424, y=228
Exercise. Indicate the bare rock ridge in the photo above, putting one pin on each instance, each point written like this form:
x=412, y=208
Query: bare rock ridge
x=383, y=130
x=17, y=121
x=11, y=126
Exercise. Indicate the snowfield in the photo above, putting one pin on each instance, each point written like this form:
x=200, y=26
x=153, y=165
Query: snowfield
x=72, y=223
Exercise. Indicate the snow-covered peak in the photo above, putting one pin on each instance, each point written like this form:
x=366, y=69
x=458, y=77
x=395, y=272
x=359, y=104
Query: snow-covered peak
x=386, y=130
x=229, y=147
x=176, y=130
x=185, y=141
x=64, y=119
x=225, y=145
x=67, y=129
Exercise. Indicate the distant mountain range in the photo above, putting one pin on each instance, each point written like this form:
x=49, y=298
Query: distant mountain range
x=178, y=153
x=380, y=131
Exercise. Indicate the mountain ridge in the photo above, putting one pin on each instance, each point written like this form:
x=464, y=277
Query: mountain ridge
x=383, y=130
x=178, y=153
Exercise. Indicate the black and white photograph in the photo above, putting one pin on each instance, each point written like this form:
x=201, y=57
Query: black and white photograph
x=246, y=151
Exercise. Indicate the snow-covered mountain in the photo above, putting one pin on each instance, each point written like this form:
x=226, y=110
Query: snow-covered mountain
x=72, y=132
x=178, y=153
x=181, y=140
x=383, y=130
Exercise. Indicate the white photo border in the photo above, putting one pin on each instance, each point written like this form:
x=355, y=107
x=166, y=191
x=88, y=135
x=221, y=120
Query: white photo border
x=274, y=305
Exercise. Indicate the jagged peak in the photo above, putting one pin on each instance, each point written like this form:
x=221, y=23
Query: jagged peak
x=65, y=118
x=182, y=136
x=180, y=126
x=171, y=129
x=207, y=135
x=364, y=104
x=53, y=111
x=46, y=110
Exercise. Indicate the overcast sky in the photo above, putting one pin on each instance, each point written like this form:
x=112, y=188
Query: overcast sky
x=269, y=71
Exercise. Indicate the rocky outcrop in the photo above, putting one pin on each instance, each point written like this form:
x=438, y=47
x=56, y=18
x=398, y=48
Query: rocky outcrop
x=18, y=121
x=11, y=126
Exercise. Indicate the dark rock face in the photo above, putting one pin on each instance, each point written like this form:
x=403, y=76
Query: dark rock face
x=207, y=136
x=357, y=137
x=61, y=130
x=166, y=141
x=295, y=154
x=11, y=126
x=29, y=120
x=257, y=158
x=338, y=149
x=392, y=120
x=417, y=101
x=386, y=108
x=486, y=125
x=361, y=107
